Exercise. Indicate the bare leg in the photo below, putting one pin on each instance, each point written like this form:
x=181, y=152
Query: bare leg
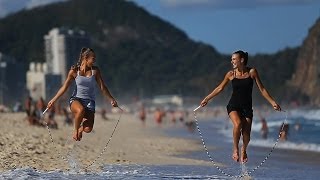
x=246, y=131
x=236, y=121
x=80, y=130
x=88, y=123
x=78, y=112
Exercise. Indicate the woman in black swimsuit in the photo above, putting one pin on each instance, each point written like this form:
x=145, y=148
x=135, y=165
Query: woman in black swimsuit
x=240, y=105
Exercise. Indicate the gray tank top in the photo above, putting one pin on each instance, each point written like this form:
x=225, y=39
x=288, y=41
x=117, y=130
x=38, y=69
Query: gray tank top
x=84, y=86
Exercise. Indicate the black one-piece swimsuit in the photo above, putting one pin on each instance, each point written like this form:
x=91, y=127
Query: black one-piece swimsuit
x=241, y=99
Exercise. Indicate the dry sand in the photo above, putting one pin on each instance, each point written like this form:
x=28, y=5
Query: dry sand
x=23, y=145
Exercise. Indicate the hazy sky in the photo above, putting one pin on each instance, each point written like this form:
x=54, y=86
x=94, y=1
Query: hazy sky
x=257, y=26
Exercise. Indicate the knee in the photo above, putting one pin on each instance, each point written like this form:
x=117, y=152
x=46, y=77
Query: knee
x=80, y=111
x=87, y=129
x=237, y=125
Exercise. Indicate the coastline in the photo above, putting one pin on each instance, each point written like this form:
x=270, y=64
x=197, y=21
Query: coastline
x=286, y=160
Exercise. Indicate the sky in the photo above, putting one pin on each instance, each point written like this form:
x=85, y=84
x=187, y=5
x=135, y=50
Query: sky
x=256, y=26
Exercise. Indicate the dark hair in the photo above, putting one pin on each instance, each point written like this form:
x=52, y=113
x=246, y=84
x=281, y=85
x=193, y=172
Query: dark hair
x=83, y=53
x=243, y=55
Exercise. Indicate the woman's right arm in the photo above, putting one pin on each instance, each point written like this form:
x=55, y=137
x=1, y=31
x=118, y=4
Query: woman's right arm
x=63, y=88
x=218, y=89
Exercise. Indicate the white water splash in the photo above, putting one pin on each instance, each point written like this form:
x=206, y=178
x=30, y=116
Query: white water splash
x=244, y=172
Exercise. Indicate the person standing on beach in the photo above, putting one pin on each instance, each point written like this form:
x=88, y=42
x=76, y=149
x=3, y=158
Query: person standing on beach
x=82, y=101
x=142, y=115
x=284, y=132
x=240, y=105
x=27, y=106
x=264, y=128
x=41, y=106
x=158, y=114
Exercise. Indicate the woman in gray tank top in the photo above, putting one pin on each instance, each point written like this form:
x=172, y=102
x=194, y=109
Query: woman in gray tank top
x=82, y=101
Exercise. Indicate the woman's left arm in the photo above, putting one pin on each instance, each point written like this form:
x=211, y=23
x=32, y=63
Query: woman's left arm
x=105, y=91
x=254, y=74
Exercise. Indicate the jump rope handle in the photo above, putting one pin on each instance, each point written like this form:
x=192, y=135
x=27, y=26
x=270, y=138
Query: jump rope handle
x=44, y=111
x=197, y=108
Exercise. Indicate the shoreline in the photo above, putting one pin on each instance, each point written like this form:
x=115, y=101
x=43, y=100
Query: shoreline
x=288, y=155
x=293, y=155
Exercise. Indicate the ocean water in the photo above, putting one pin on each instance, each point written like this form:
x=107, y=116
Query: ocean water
x=296, y=158
x=118, y=172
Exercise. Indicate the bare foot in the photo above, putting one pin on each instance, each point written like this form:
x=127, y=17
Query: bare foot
x=80, y=133
x=244, y=156
x=76, y=135
x=235, y=155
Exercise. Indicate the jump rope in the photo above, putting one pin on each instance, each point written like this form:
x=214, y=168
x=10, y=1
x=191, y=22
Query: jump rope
x=211, y=157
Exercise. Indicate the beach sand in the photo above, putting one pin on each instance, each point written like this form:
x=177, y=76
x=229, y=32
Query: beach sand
x=25, y=146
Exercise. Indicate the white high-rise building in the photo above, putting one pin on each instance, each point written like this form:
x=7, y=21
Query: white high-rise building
x=62, y=49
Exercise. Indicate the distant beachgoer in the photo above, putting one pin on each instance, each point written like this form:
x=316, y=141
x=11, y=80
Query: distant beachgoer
x=172, y=116
x=240, y=105
x=158, y=116
x=27, y=105
x=82, y=101
x=180, y=115
x=31, y=111
x=41, y=106
x=17, y=107
x=190, y=125
x=187, y=114
x=52, y=123
x=264, y=129
x=284, y=132
x=142, y=115
x=297, y=126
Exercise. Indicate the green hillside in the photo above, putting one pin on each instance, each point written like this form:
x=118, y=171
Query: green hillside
x=136, y=50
